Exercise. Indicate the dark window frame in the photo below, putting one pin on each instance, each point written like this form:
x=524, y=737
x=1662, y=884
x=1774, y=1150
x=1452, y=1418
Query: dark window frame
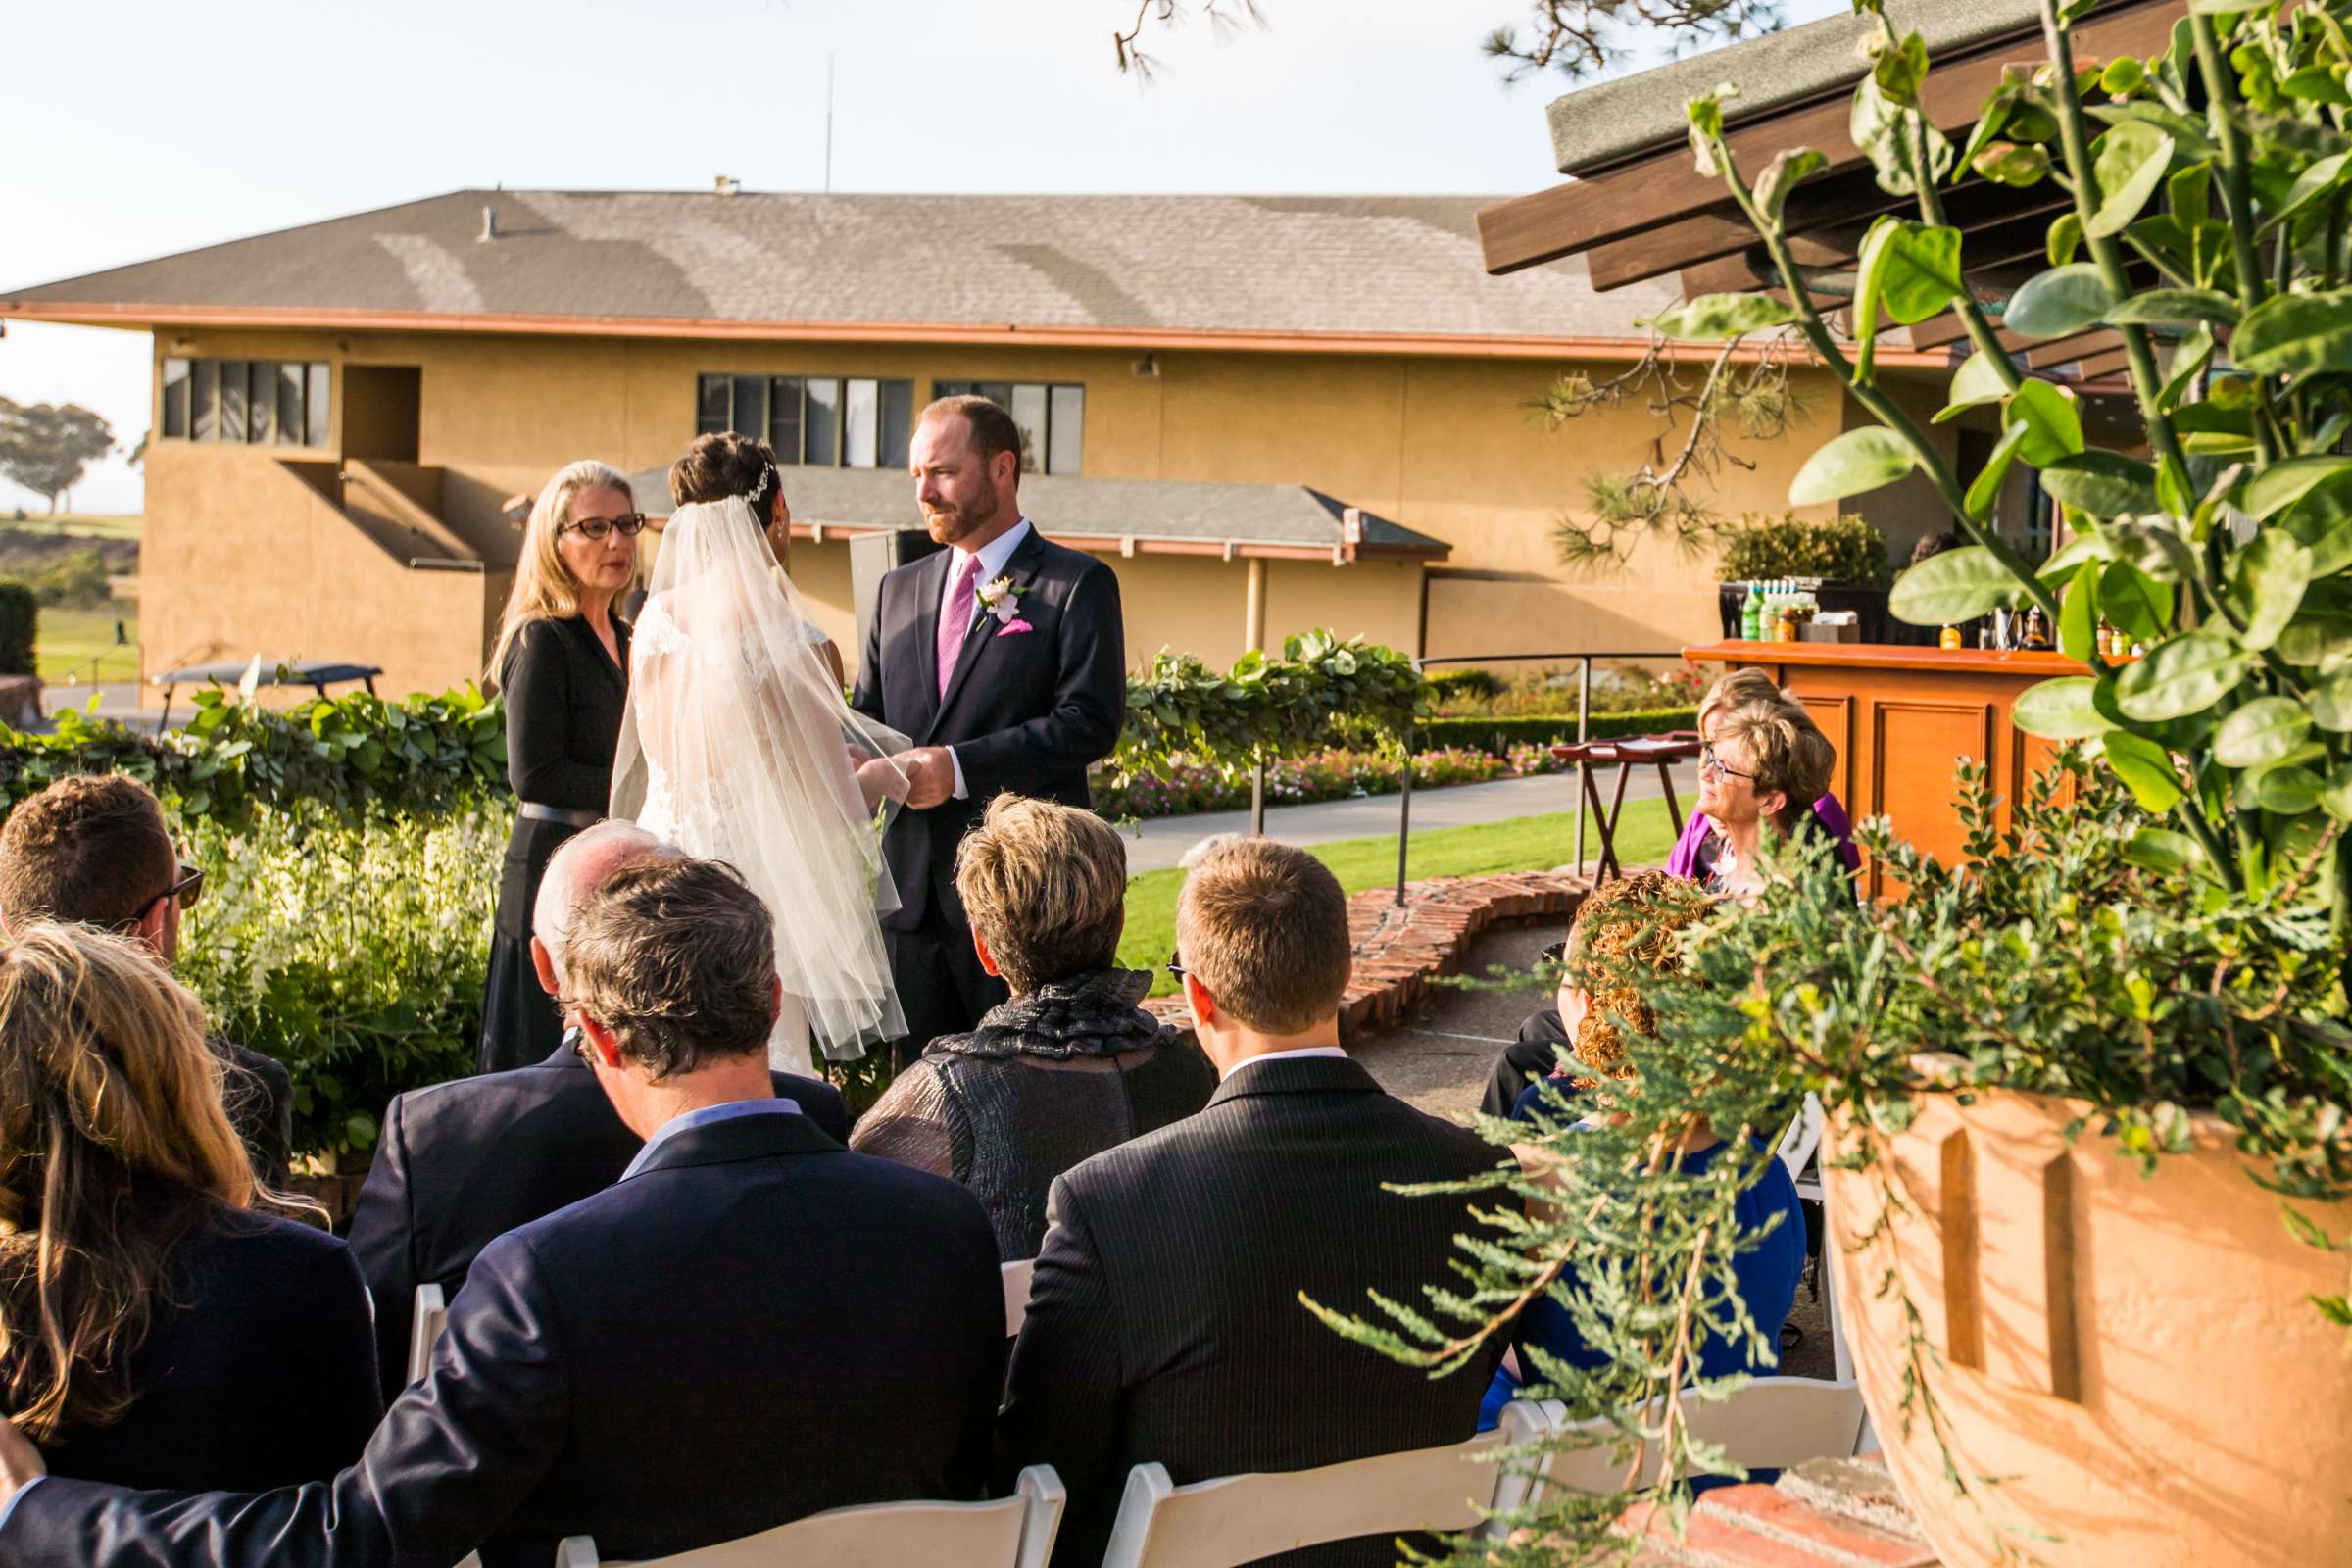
x=196, y=402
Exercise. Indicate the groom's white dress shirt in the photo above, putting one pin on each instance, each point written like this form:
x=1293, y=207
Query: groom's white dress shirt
x=992, y=557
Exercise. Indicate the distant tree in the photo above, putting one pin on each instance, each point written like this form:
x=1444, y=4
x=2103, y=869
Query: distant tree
x=1578, y=38
x=47, y=447
x=136, y=456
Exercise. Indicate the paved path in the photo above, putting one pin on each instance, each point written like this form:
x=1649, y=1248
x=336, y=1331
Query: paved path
x=1159, y=844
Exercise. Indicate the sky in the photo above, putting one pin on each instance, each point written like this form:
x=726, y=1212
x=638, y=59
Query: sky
x=246, y=116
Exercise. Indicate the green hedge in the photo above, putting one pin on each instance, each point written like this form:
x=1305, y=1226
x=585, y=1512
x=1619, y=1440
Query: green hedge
x=20, y=628
x=1498, y=735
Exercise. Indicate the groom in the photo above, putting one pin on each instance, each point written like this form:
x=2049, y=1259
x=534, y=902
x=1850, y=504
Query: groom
x=1004, y=657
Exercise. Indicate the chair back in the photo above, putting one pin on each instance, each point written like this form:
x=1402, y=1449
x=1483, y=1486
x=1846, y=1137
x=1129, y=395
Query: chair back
x=424, y=1330
x=1238, y=1519
x=1016, y=1293
x=1771, y=1424
x=1803, y=1139
x=1015, y=1532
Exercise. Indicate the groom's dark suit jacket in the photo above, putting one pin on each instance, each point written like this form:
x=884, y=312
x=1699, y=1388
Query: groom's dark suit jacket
x=758, y=1326
x=1026, y=711
x=460, y=1164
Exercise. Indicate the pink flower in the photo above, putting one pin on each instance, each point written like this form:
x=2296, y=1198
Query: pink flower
x=1013, y=625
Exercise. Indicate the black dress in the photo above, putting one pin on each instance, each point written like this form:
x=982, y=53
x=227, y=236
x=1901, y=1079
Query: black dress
x=564, y=696
x=257, y=1369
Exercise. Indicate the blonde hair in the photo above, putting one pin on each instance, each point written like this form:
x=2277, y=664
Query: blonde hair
x=1736, y=689
x=1788, y=754
x=114, y=1146
x=1046, y=886
x=1265, y=926
x=544, y=587
x=1627, y=923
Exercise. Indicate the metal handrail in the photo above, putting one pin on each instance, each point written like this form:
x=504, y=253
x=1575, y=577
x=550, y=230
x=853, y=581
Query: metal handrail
x=1584, y=706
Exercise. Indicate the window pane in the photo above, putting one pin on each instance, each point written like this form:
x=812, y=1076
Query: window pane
x=820, y=430
x=711, y=402
x=260, y=420
x=1066, y=432
x=1029, y=413
x=232, y=400
x=750, y=406
x=898, y=422
x=858, y=424
x=289, y=406
x=315, y=404
x=784, y=418
x=998, y=392
x=949, y=389
x=176, y=397
x=205, y=418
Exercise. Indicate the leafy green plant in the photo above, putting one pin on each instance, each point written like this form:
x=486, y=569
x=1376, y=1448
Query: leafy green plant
x=1845, y=549
x=1266, y=706
x=20, y=628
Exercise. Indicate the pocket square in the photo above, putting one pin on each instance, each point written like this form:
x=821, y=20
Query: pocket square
x=1011, y=626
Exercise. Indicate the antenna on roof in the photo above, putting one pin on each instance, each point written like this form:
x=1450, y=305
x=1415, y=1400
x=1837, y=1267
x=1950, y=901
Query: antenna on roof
x=828, y=125
x=489, y=225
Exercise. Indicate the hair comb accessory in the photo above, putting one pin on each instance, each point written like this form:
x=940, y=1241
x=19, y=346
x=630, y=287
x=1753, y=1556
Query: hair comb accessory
x=759, y=490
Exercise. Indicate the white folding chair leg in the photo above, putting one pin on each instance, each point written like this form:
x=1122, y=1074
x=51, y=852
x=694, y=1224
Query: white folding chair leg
x=431, y=1316
x=576, y=1551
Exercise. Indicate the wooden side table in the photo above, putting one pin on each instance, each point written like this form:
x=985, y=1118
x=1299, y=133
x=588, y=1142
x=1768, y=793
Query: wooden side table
x=1625, y=755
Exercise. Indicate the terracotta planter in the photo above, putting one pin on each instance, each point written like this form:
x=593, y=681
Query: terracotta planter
x=2136, y=1356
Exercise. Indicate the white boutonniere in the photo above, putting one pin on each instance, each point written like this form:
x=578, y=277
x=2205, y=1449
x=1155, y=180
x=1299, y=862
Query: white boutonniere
x=1003, y=602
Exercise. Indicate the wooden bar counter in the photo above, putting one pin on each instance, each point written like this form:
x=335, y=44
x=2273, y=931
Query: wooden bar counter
x=1902, y=718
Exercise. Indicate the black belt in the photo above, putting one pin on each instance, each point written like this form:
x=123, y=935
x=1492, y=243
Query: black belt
x=557, y=813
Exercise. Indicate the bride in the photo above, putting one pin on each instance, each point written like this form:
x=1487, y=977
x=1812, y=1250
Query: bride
x=737, y=746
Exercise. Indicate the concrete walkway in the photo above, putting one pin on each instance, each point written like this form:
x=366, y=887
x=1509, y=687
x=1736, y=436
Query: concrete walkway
x=1159, y=844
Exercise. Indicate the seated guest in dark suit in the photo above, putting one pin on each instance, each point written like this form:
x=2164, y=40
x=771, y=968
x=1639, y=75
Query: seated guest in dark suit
x=460, y=1164
x=1633, y=920
x=94, y=849
x=156, y=1330
x=1070, y=1065
x=1165, y=1320
x=752, y=1325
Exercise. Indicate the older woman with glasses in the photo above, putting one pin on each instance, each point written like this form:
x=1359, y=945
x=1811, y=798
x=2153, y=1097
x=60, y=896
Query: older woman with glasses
x=1763, y=764
x=1695, y=854
x=562, y=663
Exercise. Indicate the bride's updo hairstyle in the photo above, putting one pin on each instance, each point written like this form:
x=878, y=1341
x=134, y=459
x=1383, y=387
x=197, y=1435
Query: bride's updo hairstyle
x=726, y=463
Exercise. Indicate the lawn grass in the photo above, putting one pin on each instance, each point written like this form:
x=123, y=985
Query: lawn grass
x=68, y=639
x=80, y=524
x=1519, y=844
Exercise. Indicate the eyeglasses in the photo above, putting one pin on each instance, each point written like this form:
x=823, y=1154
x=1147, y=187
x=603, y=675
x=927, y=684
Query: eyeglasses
x=629, y=525
x=187, y=890
x=1175, y=966
x=1709, y=763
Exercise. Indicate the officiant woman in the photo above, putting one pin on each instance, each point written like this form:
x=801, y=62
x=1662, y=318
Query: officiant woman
x=562, y=663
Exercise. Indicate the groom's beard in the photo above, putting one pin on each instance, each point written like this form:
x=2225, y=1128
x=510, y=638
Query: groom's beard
x=949, y=524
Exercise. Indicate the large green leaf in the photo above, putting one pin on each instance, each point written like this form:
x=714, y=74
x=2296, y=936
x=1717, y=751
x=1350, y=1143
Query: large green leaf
x=2282, y=484
x=2134, y=603
x=2323, y=642
x=1857, y=461
x=2297, y=335
x=2267, y=582
x=2262, y=731
x=2322, y=176
x=2181, y=675
x=2125, y=165
x=1910, y=272
x=2322, y=521
x=2161, y=850
x=2332, y=705
x=1882, y=130
x=2059, y=303
x=1978, y=381
x=1787, y=171
x=2191, y=355
x=2288, y=791
x=2146, y=769
x=2169, y=304
x=1716, y=317
x=2105, y=484
x=1955, y=586
x=2054, y=427
x=1985, y=488
x=2335, y=795
x=2079, y=617
x=2061, y=709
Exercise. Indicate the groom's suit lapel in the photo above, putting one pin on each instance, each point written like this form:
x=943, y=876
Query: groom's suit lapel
x=1022, y=567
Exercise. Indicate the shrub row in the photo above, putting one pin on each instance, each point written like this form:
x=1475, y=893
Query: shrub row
x=1337, y=774
x=1498, y=735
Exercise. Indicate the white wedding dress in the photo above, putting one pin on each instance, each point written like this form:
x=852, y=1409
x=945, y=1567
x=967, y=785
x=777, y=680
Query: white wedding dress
x=736, y=746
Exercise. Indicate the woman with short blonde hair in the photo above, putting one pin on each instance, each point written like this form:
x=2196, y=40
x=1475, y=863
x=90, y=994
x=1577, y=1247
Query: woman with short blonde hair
x=157, y=1330
x=1693, y=854
x=1764, y=765
x=560, y=661
x=1070, y=1065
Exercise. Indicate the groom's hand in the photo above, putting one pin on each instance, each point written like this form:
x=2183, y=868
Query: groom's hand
x=930, y=775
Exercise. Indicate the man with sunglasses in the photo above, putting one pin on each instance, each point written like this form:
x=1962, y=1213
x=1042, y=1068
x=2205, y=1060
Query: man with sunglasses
x=95, y=849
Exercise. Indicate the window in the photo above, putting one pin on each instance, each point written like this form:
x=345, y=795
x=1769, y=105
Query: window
x=256, y=401
x=1052, y=418
x=823, y=420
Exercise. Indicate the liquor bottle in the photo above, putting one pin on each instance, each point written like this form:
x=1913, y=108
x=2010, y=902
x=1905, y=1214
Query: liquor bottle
x=1949, y=637
x=2037, y=631
x=1752, y=613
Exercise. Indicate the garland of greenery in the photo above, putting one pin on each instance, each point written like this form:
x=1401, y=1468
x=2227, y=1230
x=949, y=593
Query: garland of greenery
x=1268, y=707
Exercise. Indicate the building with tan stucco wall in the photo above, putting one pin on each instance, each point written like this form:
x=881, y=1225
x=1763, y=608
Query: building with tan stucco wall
x=1315, y=410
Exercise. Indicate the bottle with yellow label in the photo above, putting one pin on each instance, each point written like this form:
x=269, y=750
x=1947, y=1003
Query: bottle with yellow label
x=1950, y=637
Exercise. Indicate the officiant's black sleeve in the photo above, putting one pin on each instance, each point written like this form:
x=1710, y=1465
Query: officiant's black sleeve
x=450, y=1461
x=1090, y=702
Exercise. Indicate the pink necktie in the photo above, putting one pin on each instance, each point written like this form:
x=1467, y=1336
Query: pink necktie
x=957, y=621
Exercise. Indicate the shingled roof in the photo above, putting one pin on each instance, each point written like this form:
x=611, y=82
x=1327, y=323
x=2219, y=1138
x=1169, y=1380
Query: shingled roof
x=1134, y=516
x=1323, y=271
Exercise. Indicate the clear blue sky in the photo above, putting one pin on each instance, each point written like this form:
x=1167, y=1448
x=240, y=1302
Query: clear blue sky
x=204, y=124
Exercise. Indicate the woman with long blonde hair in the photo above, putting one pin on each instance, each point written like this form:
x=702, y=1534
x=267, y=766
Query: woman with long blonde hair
x=156, y=1328
x=562, y=663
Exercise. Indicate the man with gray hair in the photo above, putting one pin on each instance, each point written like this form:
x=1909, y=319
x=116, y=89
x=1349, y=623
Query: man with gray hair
x=460, y=1164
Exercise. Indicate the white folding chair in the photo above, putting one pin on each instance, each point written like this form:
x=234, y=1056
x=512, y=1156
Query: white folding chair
x=1799, y=1144
x=424, y=1330
x=1238, y=1519
x=1015, y=1532
x=1771, y=1424
x=1017, y=1292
